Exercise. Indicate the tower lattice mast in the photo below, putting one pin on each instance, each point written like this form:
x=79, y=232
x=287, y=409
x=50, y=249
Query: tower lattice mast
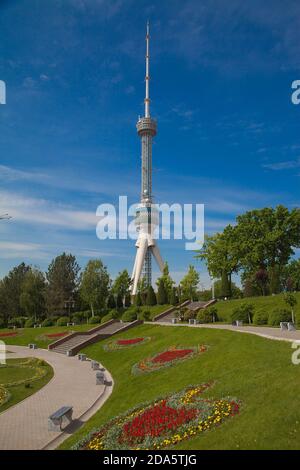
x=146, y=216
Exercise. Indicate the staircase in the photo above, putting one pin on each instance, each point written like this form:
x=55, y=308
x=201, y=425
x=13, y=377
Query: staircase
x=169, y=314
x=74, y=342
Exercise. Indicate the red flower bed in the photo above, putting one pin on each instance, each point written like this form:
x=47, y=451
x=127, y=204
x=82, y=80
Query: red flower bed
x=127, y=342
x=172, y=355
x=11, y=333
x=57, y=335
x=155, y=421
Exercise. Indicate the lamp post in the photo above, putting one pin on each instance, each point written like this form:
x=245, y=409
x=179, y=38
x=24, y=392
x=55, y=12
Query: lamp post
x=69, y=304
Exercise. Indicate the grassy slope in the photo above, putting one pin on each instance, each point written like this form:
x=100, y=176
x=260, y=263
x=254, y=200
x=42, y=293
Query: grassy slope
x=268, y=303
x=257, y=371
x=19, y=393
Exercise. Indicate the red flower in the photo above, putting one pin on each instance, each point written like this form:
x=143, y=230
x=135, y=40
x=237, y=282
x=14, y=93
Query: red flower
x=155, y=421
x=171, y=355
x=126, y=342
x=57, y=335
x=10, y=333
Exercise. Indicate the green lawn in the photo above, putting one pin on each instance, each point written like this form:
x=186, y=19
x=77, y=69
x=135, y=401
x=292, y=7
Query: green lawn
x=23, y=377
x=269, y=303
x=257, y=371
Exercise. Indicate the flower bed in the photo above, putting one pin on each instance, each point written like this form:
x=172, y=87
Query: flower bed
x=163, y=423
x=114, y=345
x=8, y=334
x=57, y=335
x=4, y=395
x=36, y=366
x=167, y=358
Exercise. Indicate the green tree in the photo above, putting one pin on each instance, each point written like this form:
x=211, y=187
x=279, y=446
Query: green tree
x=122, y=284
x=62, y=282
x=138, y=300
x=174, y=297
x=111, y=302
x=267, y=237
x=127, y=301
x=151, y=297
x=291, y=300
x=167, y=282
x=221, y=255
x=162, y=295
x=10, y=292
x=291, y=275
x=189, y=284
x=32, y=298
x=119, y=301
x=94, y=287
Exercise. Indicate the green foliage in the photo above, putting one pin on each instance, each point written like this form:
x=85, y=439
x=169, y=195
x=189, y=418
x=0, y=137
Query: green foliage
x=119, y=301
x=225, y=285
x=79, y=317
x=10, y=292
x=95, y=283
x=189, y=284
x=111, y=303
x=63, y=279
x=173, y=297
x=127, y=301
x=29, y=323
x=129, y=316
x=244, y=313
x=144, y=315
x=204, y=317
x=94, y=320
x=261, y=317
x=138, y=300
x=47, y=322
x=62, y=321
x=121, y=285
x=151, y=297
x=18, y=321
x=32, y=297
x=162, y=294
x=107, y=317
x=279, y=315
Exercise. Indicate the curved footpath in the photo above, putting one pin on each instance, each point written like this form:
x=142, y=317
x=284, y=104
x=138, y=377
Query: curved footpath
x=24, y=426
x=264, y=331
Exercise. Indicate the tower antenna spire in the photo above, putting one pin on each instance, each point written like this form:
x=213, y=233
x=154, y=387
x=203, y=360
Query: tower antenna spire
x=147, y=78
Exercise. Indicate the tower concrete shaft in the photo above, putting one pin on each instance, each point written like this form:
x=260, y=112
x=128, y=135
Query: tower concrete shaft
x=146, y=215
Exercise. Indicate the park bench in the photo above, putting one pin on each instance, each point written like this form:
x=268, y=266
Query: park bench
x=56, y=419
x=95, y=365
x=71, y=324
x=283, y=325
x=32, y=346
x=291, y=326
x=174, y=320
x=192, y=321
x=100, y=378
x=82, y=357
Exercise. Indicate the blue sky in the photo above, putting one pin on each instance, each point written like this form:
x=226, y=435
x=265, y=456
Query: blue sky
x=228, y=134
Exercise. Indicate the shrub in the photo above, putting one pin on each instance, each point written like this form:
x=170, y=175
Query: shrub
x=62, y=321
x=47, y=322
x=188, y=314
x=18, y=321
x=204, y=316
x=129, y=315
x=278, y=315
x=144, y=315
x=29, y=323
x=106, y=317
x=261, y=317
x=151, y=297
x=94, y=320
x=243, y=313
x=78, y=317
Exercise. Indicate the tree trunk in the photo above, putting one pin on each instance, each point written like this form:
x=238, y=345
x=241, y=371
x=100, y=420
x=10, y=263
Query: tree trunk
x=92, y=308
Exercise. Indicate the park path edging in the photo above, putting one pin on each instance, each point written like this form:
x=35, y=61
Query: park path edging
x=24, y=426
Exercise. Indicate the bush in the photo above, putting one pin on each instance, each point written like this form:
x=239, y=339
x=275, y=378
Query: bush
x=29, y=323
x=47, y=322
x=94, y=320
x=129, y=316
x=278, y=315
x=208, y=315
x=19, y=322
x=62, y=321
x=243, y=313
x=261, y=317
x=188, y=314
x=78, y=317
x=145, y=315
x=112, y=315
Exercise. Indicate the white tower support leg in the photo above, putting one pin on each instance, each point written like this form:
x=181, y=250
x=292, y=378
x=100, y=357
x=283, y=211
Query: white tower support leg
x=139, y=262
x=157, y=256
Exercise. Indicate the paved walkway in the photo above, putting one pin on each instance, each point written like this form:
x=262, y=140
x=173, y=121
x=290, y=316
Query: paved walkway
x=264, y=331
x=25, y=425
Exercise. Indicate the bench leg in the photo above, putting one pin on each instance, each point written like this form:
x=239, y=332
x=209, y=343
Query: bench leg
x=54, y=425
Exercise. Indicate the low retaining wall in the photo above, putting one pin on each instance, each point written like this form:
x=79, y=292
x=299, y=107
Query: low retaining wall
x=170, y=310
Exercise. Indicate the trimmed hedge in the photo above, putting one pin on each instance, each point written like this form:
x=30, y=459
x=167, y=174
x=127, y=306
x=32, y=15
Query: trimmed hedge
x=47, y=322
x=94, y=320
x=278, y=315
x=62, y=321
x=129, y=316
x=261, y=317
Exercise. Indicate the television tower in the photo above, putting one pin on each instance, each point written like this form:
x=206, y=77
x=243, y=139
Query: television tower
x=147, y=217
